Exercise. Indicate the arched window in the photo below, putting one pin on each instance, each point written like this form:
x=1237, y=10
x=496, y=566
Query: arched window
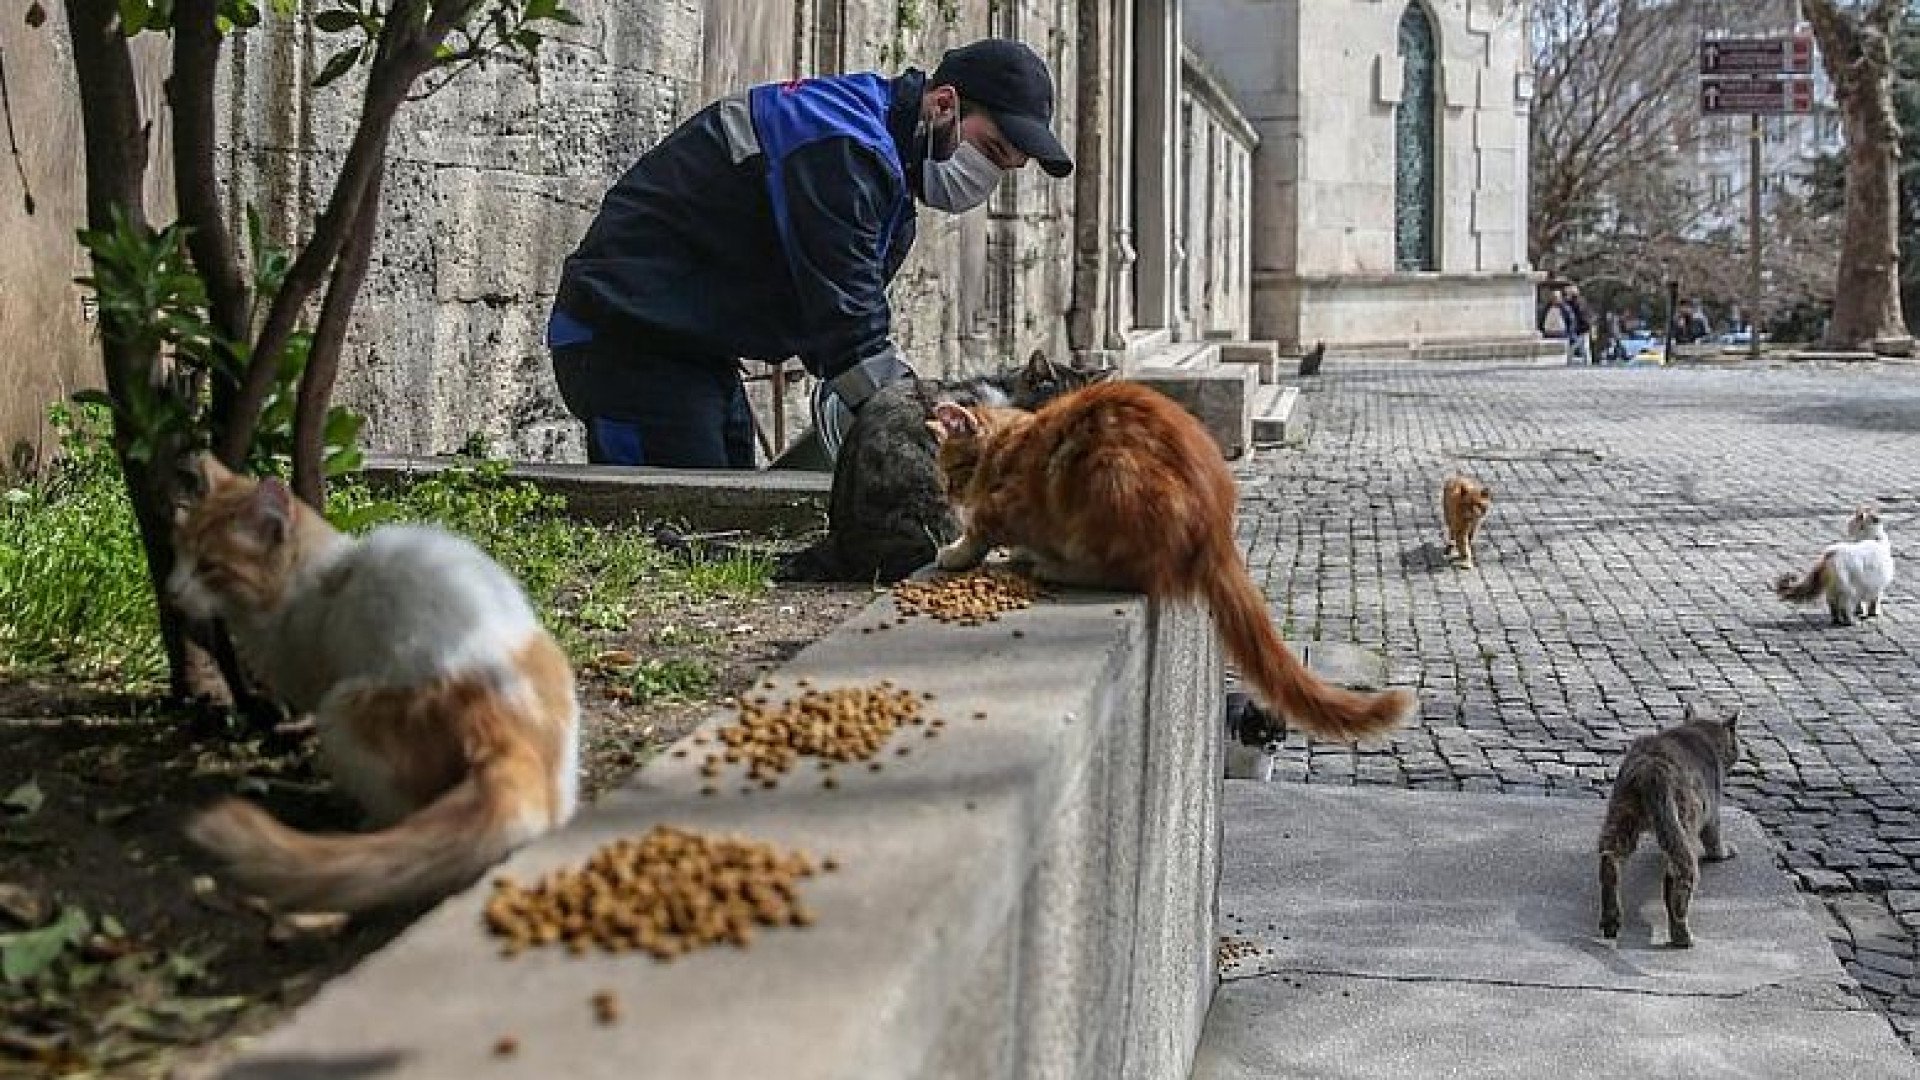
x=1416, y=151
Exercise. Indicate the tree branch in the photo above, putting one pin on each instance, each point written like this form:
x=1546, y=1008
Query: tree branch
x=196, y=58
x=323, y=361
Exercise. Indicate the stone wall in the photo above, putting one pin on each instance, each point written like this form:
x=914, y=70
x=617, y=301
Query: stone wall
x=493, y=181
x=46, y=320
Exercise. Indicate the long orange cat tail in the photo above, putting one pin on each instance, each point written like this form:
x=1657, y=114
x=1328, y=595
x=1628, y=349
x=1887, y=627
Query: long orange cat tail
x=430, y=853
x=1281, y=681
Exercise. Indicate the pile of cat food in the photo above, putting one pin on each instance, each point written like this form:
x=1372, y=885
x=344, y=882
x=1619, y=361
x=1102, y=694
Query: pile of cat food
x=967, y=599
x=836, y=726
x=669, y=892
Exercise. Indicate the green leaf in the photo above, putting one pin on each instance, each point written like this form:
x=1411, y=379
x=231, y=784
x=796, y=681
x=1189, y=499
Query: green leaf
x=528, y=40
x=336, y=21
x=568, y=18
x=26, y=954
x=133, y=16
x=539, y=9
x=341, y=63
x=25, y=799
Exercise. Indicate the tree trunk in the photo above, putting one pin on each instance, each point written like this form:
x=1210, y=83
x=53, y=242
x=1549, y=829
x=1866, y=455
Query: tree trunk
x=116, y=149
x=1857, y=51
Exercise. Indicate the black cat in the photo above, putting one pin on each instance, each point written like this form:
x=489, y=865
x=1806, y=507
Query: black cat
x=887, y=512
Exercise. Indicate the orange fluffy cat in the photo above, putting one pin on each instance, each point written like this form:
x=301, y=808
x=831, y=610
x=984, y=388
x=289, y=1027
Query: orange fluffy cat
x=1117, y=486
x=1463, y=503
x=441, y=705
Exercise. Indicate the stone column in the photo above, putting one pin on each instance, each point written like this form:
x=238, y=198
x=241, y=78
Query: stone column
x=1156, y=177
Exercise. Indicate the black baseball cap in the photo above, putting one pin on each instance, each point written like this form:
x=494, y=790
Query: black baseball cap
x=1010, y=81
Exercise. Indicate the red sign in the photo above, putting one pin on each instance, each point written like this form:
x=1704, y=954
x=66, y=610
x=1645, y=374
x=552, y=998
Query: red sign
x=1770, y=96
x=1757, y=56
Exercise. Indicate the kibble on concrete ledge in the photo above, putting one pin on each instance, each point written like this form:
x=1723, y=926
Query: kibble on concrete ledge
x=968, y=599
x=845, y=725
x=667, y=893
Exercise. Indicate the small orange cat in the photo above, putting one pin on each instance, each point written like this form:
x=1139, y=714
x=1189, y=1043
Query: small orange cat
x=1115, y=485
x=441, y=704
x=1464, y=502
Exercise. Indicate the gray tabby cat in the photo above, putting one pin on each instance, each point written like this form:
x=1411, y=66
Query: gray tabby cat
x=1669, y=785
x=887, y=512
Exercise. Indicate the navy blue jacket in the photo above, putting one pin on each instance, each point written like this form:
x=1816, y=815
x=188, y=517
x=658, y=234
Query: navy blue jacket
x=766, y=226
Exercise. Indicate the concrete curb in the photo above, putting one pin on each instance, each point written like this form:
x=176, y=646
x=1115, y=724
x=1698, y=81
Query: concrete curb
x=1029, y=894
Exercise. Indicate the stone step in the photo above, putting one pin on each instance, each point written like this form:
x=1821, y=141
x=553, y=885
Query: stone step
x=1219, y=395
x=1279, y=414
x=1383, y=932
x=1263, y=356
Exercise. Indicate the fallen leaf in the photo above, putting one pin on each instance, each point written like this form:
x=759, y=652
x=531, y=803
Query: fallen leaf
x=24, y=799
x=22, y=905
x=29, y=952
x=298, y=925
x=113, y=815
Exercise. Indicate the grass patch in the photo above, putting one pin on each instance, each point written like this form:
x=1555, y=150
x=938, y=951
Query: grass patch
x=75, y=600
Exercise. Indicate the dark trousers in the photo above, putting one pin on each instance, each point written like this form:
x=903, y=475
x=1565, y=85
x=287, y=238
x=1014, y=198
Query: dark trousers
x=649, y=407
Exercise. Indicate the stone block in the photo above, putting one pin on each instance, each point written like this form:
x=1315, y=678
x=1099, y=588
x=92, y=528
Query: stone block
x=1221, y=398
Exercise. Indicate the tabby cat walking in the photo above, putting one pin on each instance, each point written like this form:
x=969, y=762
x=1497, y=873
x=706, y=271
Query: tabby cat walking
x=442, y=706
x=1115, y=485
x=1669, y=784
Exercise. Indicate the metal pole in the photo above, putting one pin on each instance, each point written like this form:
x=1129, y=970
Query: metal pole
x=1753, y=238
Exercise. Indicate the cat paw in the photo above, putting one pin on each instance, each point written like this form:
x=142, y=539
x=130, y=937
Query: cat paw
x=1609, y=928
x=958, y=555
x=1727, y=851
x=1681, y=939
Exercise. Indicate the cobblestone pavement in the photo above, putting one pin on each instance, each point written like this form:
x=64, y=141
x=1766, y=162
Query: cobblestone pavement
x=1639, y=516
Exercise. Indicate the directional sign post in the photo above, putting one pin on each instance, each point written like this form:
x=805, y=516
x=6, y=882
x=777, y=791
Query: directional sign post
x=1757, y=56
x=1755, y=76
x=1772, y=97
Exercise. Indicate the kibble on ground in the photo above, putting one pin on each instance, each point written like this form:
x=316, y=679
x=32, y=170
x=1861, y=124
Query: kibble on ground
x=968, y=599
x=666, y=893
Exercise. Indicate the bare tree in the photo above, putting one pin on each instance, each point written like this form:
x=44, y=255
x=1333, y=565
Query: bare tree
x=1856, y=46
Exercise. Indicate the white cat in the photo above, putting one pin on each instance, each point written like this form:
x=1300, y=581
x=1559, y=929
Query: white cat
x=442, y=706
x=1852, y=575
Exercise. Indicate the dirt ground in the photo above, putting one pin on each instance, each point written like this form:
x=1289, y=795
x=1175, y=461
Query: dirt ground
x=120, y=957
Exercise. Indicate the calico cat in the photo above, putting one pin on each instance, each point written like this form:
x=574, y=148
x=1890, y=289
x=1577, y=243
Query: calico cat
x=1115, y=485
x=1463, y=503
x=1669, y=784
x=1852, y=575
x=441, y=704
x=886, y=514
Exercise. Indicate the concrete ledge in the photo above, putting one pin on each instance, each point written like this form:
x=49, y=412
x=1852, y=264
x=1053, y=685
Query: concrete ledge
x=1031, y=894
x=759, y=501
x=1220, y=397
x=1397, y=929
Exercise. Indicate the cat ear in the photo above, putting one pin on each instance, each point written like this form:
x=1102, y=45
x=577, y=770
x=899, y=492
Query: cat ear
x=270, y=511
x=952, y=421
x=1038, y=366
x=1733, y=719
x=193, y=477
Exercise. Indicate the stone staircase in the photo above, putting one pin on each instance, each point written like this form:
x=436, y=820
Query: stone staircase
x=1233, y=387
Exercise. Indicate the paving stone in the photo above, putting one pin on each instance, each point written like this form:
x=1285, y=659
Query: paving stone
x=1622, y=574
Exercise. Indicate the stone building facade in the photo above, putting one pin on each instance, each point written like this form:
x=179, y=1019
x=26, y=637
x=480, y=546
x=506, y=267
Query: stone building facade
x=1390, y=183
x=1184, y=221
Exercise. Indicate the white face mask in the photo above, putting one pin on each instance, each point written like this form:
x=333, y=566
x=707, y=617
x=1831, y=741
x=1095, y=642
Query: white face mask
x=961, y=182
